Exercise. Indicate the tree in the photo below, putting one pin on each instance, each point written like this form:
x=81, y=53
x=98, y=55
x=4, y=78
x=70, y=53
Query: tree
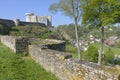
x=100, y=13
x=72, y=9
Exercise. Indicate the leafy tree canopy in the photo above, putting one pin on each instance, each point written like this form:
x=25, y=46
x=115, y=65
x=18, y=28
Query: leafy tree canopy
x=101, y=12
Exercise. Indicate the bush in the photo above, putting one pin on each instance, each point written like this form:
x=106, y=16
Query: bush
x=4, y=30
x=91, y=54
x=34, y=31
x=109, y=56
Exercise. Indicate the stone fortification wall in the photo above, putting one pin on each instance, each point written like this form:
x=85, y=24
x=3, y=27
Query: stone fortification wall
x=66, y=68
x=22, y=23
x=17, y=22
x=7, y=22
x=17, y=44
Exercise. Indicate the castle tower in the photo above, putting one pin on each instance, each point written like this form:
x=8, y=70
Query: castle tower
x=49, y=20
x=29, y=17
x=17, y=22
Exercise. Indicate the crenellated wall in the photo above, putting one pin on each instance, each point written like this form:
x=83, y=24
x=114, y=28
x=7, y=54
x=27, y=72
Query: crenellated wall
x=65, y=68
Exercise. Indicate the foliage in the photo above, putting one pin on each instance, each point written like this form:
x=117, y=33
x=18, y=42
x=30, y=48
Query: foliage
x=91, y=54
x=69, y=8
x=100, y=13
x=69, y=30
x=72, y=9
x=117, y=44
x=4, y=30
x=109, y=56
x=34, y=31
x=71, y=49
x=17, y=67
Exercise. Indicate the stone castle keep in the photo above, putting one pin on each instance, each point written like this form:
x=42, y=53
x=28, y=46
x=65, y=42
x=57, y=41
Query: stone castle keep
x=47, y=20
x=31, y=19
x=51, y=56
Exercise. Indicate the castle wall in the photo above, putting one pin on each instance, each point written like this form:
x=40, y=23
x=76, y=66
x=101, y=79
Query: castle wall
x=65, y=68
x=7, y=22
x=17, y=22
x=22, y=23
x=30, y=17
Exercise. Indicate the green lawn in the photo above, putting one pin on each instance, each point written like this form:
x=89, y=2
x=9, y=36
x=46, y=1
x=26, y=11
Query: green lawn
x=17, y=67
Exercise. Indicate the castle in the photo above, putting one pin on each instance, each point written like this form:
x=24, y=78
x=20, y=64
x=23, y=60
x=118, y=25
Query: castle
x=47, y=20
x=31, y=19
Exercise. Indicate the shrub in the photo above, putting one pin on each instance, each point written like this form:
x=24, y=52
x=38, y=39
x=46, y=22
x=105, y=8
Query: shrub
x=4, y=30
x=91, y=54
x=109, y=56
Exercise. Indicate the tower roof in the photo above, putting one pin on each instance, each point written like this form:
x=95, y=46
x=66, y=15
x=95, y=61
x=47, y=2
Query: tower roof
x=29, y=14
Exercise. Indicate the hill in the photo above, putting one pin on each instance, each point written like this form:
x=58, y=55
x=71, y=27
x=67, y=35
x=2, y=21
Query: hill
x=41, y=32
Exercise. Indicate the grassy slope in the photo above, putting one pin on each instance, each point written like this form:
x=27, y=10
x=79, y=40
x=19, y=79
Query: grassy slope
x=16, y=67
x=34, y=31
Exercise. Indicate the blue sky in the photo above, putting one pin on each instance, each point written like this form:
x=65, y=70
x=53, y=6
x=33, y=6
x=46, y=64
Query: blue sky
x=16, y=9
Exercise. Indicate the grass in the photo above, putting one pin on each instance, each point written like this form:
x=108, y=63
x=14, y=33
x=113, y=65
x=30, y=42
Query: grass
x=106, y=48
x=71, y=49
x=18, y=67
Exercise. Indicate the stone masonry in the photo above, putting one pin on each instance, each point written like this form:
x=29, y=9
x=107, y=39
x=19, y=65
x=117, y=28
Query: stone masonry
x=17, y=44
x=47, y=20
x=65, y=68
x=60, y=63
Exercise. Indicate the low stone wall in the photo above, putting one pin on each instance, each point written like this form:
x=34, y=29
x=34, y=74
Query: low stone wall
x=66, y=68
x=17, y=44
x=58, y=45
x=53, y=44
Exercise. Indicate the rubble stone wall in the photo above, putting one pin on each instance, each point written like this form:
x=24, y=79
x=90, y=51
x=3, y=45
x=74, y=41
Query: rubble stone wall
x=65, y=68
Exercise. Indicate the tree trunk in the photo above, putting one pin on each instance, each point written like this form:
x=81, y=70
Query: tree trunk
x=76, y=34
x=101, y=46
